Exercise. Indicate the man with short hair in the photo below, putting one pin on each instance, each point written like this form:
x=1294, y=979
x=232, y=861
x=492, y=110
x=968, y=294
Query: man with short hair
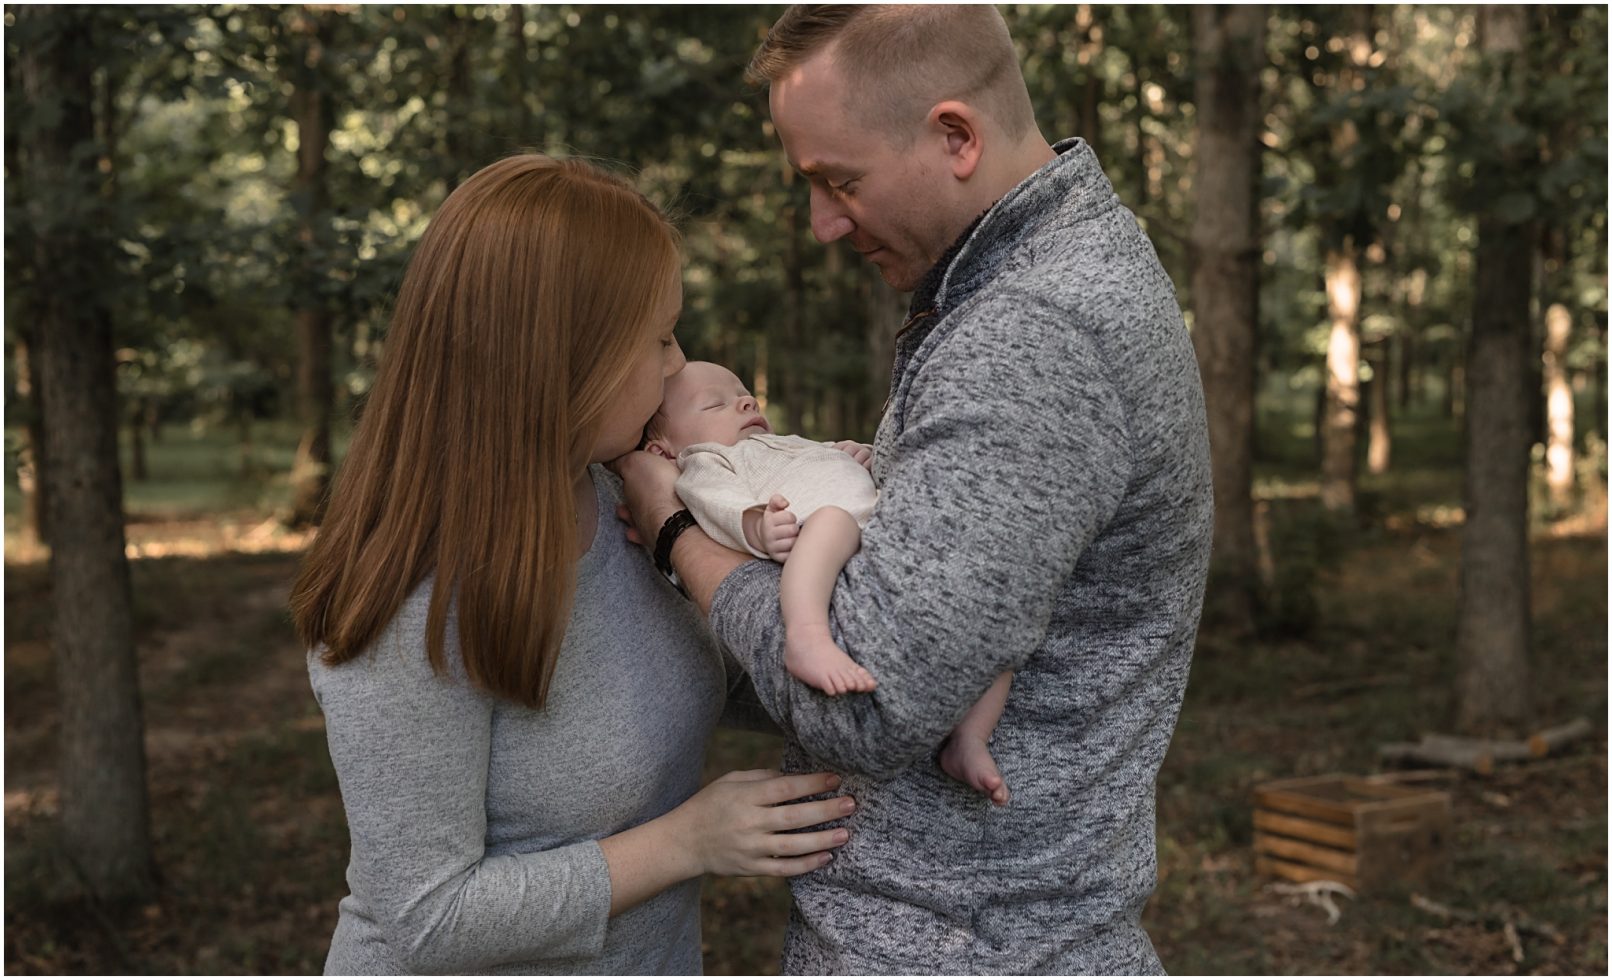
x=1045, y=508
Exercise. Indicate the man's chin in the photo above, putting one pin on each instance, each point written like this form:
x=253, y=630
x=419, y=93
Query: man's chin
x=901, y=280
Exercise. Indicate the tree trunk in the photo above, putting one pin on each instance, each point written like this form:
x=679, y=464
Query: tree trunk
x=1229, y=44
x=1139, y=125
x=137, y=441
x=312, y=111
x=886, y=312
x=519, y=75
x=1559, y=406
x=153, y=420
x=461, y=155
x=1338, y=432
x=1492, y=623
x=791, y=375
x=1379, y=439
x=1089, y=90
x=30, y=463
x=104, y=816
x=1407, y=356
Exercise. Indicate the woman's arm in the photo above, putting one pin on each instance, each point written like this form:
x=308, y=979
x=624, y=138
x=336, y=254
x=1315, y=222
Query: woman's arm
x=411, y=752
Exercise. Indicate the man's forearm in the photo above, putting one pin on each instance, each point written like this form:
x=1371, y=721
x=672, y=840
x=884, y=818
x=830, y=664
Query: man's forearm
x=702, y=564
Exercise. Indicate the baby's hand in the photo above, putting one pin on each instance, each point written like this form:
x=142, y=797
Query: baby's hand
x=778, y=529
x=858, y=451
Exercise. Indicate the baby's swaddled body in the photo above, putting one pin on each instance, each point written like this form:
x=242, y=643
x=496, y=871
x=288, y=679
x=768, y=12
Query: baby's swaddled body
x=719, y=483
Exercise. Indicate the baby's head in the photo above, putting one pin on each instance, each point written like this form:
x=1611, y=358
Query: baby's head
x=704, y=402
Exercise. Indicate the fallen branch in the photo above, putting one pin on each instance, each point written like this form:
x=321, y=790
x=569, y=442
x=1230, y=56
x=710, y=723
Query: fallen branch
x=1548, y=741
x=1318, y=893
x=1514, y=940
x=1511, y=919
x=1438, y=754
x=1480, y=754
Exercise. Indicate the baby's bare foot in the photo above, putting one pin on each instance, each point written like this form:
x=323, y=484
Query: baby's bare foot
x=814, y=658
x=966, y=758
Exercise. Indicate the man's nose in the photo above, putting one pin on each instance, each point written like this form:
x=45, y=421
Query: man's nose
x=829, y=223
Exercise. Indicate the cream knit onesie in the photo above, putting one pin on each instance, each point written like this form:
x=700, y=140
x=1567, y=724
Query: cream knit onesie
x=719, y=483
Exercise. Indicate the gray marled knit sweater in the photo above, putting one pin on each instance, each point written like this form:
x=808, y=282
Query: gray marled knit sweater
x=1045, y=508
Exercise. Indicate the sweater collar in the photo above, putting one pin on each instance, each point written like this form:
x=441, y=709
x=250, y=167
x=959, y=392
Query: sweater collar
x=1072, y=176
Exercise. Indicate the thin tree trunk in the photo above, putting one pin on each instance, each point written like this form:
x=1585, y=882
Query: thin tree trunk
x=886, y=312
x=1407, y=357
x=153, y=420
x=30, y=462
x=104, y=816
x=792, y=379
x=1379, y=439
x=137, y=441
x=1228, y=43
x=1089, y=90
x=1598, y=375
x=1139, y=123
x=1492, y=620
x=1338, y=433
x=461, y=156
x=519, y=74
x=1559, y=462
x=312, y=110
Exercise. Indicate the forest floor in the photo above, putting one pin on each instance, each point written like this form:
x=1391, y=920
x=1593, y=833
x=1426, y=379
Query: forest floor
x=251, y=842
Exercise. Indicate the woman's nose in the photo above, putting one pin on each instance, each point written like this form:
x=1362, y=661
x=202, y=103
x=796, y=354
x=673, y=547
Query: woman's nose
x=675, y=361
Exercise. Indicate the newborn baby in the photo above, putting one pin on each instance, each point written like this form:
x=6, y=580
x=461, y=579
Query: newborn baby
x=802, y=504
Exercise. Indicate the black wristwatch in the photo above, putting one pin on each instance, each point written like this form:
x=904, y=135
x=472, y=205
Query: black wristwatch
x=674, y=526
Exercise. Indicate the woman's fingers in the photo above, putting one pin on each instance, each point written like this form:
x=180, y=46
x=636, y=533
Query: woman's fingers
x=796, y=845
x=811, y=814
x=786, y=788
x=789, y=867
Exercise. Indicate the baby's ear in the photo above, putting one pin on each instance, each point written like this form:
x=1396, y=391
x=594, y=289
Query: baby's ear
x=660, y=448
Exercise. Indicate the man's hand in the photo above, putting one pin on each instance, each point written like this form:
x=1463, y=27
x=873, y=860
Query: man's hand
x=649, y=487
x=773, y=530
x=860, y=452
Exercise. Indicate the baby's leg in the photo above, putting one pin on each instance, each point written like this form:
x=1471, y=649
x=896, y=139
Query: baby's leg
x=965, y=756
x=827, y=541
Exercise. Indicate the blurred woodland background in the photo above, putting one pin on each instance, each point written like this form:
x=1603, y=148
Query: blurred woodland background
x=1387, y=226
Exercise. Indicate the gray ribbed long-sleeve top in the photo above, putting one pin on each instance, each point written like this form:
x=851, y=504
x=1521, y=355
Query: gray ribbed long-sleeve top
x=1045, y=507
x=475, y=821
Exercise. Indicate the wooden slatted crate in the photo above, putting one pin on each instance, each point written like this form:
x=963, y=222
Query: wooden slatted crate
x=1349, y=830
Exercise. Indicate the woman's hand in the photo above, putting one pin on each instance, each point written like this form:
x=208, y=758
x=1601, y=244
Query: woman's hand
x=738, y=824
x=861, y=452
x=649, y=487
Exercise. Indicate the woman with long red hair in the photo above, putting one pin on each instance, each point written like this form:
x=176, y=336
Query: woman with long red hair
x=516, y=702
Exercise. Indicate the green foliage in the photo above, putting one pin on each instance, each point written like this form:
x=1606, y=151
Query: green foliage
x=197, y=138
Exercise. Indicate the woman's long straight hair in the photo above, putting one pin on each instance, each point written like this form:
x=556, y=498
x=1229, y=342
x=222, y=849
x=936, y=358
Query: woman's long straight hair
x=514, y=329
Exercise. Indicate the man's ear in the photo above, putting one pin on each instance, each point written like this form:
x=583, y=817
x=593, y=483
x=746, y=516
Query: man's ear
x=661, y=448
x=959, y=125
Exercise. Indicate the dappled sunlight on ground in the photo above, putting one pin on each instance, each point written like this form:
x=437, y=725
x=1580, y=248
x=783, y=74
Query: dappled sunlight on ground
x=248, y=535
